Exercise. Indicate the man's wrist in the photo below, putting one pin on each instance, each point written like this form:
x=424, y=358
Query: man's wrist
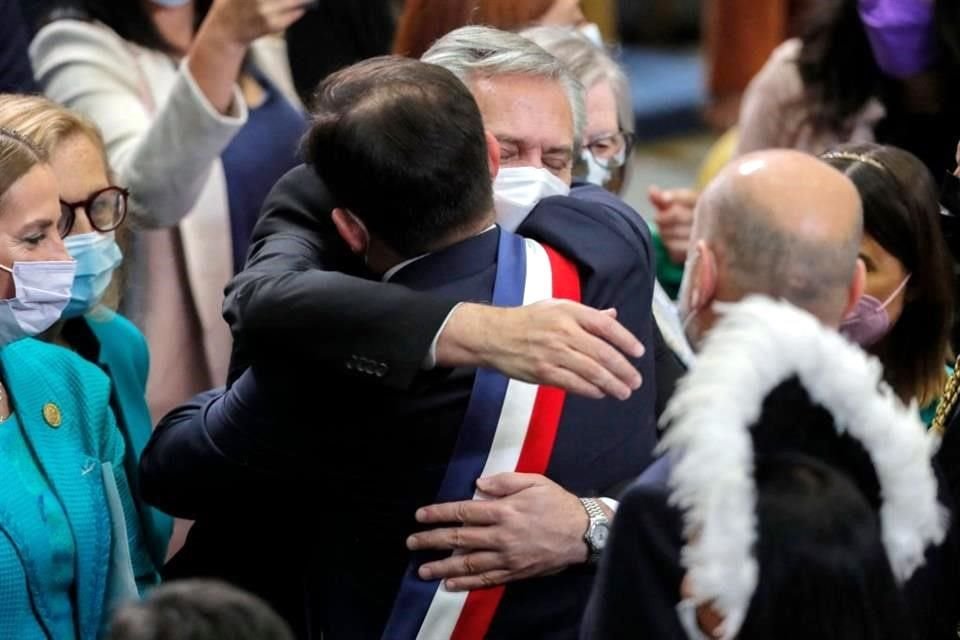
x=431, y=360
x=597, y=530
x=461, y=341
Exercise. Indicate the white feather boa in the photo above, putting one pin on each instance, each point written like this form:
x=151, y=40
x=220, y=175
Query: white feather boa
x=756, y=345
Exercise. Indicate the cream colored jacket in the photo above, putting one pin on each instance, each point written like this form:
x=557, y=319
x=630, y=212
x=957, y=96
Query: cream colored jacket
x=164, y=141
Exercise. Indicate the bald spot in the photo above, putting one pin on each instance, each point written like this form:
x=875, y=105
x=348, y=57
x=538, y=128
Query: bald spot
x=785, y=224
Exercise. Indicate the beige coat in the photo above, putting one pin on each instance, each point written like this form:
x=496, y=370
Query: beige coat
x=776, y=111
x=164, y=142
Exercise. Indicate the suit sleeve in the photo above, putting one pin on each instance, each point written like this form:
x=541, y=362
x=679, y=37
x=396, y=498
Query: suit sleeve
x=217, y=445
x=295, y=298
x=638, y=583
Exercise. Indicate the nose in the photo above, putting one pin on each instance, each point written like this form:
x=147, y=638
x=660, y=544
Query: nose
x=57, y=250
x=532, y=158
x=81, y=222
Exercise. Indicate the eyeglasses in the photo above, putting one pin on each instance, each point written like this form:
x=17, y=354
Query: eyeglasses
x=106, y=210
x=611, y=151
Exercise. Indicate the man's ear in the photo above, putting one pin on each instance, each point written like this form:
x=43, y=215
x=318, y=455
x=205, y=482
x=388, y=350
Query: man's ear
x=705, y=282
x=353, y=232
x=493, y=154
x=857, y=286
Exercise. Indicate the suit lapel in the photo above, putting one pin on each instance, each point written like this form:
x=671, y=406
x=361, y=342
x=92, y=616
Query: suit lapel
x=73, y=474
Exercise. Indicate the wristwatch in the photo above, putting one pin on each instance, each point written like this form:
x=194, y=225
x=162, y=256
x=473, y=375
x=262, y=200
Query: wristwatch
x=598, y=530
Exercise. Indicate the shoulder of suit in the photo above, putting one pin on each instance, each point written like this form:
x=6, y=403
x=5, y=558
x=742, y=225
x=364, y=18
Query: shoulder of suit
x=607, y=203
x=613, y=221
x=607, y=209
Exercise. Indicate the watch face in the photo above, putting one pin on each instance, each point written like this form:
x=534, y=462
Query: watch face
x=599, y=536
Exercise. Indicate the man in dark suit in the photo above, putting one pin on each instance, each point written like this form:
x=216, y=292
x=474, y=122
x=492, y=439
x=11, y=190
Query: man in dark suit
x=749, y=238
x=387, y=459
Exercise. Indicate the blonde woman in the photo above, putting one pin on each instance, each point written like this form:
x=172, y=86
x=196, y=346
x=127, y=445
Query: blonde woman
x=70, y=541
x=93, y=210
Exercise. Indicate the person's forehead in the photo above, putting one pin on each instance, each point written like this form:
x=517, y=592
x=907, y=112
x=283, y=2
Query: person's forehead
x=532, y=109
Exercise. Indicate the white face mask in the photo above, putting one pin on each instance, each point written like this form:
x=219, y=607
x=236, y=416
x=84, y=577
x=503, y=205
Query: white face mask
x=42, y=292
x=591, y=32
x=517, y=190
x=596, y=173
x=687, y=614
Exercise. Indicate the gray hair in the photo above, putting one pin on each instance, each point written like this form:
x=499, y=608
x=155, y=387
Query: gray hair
x=484, y=52
x=589, y=64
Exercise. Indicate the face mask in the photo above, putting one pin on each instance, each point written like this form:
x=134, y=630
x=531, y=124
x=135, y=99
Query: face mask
x=870, y=321
x=170, y=4
x=901, y=34
x=42, y=292
x=687, y=613
x=596, y=173
x=591, y=32
x=97, y=256
x=517, y=190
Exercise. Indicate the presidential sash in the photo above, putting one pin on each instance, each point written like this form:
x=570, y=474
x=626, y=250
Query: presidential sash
x=509, y=426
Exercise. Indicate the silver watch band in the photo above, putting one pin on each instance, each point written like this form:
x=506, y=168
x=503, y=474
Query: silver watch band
x=593, y=508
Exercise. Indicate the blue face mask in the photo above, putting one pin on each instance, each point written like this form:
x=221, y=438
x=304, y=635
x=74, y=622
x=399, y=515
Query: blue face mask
x=42, y=290
x=170, y=3
x=97, y=256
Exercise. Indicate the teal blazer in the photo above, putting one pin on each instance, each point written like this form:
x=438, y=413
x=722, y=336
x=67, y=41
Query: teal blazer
x=121, y=351
x=63, y=405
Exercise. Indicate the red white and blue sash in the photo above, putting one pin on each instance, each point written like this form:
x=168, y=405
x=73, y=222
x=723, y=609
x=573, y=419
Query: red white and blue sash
x=509, y=426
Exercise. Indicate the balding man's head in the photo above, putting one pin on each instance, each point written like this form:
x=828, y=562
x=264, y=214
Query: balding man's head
x=780, y=223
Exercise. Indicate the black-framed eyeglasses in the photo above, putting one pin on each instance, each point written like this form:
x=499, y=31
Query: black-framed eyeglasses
x=611, y=151
x=105, y=209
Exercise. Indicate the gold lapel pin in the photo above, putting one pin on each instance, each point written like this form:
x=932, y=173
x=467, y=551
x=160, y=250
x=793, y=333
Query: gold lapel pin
x=52, y=415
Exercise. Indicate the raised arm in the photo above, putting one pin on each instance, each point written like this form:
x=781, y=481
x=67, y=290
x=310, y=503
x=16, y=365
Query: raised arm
x=162, y=146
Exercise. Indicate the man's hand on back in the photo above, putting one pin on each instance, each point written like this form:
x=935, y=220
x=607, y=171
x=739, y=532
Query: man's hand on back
x=528, y=526
x=554, y=342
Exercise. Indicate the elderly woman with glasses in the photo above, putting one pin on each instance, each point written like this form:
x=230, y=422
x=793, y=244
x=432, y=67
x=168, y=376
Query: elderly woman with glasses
x=92, y=211
x=608, y=136
x=607, y=142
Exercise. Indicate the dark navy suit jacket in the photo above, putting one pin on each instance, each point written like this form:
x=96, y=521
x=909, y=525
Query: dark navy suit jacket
x=288, y=440
x=638, y=585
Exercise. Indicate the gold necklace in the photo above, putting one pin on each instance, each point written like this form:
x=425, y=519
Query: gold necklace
x=948, y=400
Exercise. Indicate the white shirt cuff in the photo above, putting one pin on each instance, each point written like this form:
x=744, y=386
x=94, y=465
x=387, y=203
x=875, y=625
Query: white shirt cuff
x=611, y=503
x=430, y=360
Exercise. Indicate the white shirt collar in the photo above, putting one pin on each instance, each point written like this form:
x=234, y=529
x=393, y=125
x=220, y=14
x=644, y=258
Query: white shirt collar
x=392, y=271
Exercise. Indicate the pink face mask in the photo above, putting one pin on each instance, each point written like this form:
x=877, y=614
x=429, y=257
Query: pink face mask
x=869, y=322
